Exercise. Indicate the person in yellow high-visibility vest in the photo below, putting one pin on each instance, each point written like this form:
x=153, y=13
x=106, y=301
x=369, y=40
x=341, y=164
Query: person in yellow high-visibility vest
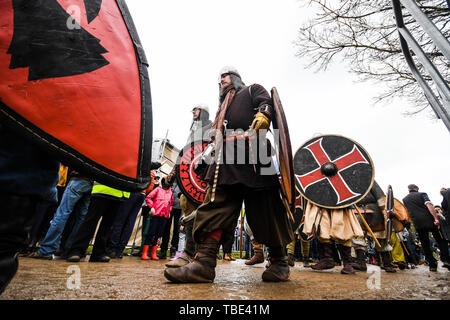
x=105, y=203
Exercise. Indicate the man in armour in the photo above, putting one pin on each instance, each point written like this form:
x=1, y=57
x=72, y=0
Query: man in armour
x=234, y=182
x=199, y=130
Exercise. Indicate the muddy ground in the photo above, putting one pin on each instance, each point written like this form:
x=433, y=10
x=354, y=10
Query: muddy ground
x=131, y=278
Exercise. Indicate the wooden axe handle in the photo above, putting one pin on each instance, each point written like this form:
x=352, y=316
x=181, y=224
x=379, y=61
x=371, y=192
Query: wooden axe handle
x=367, y=226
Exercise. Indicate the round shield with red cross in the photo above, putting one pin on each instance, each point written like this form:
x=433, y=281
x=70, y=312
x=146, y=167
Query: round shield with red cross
x=190, y=183
x=333, y=171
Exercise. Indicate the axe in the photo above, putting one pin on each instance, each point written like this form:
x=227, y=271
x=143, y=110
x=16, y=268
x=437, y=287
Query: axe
x=389, y=212
x=367, y=226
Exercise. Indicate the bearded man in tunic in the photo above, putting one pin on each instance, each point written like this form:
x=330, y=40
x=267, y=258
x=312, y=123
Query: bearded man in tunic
x=239, y=175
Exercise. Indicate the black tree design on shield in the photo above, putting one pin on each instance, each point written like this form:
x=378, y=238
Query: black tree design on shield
x=44, y=43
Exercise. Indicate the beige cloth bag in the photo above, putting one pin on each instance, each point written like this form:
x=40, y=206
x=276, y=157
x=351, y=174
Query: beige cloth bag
x=337, y=224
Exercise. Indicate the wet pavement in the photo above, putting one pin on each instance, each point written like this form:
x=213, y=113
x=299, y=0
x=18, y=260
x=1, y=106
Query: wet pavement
x=131, y=278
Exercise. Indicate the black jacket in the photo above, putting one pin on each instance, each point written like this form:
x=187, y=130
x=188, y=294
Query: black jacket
x=445, y=204
x=420, y=215
x=240, y=115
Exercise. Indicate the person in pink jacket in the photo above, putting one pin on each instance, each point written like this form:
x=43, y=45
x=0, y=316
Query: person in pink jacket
x=160, y=202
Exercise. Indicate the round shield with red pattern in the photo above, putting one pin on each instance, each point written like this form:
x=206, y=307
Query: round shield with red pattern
x=190, y=183
x=333, y=171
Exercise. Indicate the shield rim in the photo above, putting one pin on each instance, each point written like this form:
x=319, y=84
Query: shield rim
x=177, y=170
x=74, y=159
x=357, y=199
x=280, y=118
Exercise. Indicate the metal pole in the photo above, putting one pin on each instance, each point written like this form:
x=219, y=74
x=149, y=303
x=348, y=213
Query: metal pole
x=135, y=234
x=242, y=223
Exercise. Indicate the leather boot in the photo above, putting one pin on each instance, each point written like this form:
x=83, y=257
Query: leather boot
x=202, y=269
x=360, y=263
x=182, y=260
x=279, y=267
x=16, y=222
x=291, y=260
x=387, y=262
x=326, y=261
x=8, y=268
x=162, y=254
x=154, y=256
x=258, y=256
x=306, y=262
x=145, y=253
x=346, y=259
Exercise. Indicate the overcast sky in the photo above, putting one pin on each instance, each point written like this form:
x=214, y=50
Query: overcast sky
x=188, y=42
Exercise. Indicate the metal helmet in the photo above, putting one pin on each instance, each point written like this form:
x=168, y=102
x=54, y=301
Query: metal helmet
x=229, y=69
x=201, y=106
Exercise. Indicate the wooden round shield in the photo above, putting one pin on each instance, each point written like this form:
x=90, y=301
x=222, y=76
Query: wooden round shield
x=401, y=216
x=333, y=171
x=283, y=152
x=191, y=185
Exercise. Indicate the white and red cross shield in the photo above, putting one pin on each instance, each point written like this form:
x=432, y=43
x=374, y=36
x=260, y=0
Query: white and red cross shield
x=332, y=171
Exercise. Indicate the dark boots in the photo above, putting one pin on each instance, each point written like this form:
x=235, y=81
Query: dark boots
x=291, y=260
x=387, y=262
x=346, y=259
x=202, y=269
x=360, y=263
x=278, y=269
x=326, y=260
x=16, y=221
x=258, y=257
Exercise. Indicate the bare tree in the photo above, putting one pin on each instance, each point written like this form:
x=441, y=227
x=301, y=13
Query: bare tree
x=363, y=34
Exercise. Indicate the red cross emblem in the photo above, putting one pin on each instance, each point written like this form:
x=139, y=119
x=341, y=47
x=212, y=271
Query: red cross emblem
x=330, y=170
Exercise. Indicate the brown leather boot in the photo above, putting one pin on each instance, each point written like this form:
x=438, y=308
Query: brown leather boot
x=258, y=257
x=346, y=259
x=291, y=260
x=278, y=269
x=326, y=261
x=360, y=263
x=202, y=269
x=387, y=265
x=182, y=260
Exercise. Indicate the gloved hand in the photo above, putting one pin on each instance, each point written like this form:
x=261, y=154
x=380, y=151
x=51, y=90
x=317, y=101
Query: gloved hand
x=261, y=121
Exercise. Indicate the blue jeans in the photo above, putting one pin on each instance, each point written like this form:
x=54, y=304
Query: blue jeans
x=75, y=199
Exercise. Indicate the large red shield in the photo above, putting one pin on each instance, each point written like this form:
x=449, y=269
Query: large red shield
x=333, y=171
x=74, y=80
